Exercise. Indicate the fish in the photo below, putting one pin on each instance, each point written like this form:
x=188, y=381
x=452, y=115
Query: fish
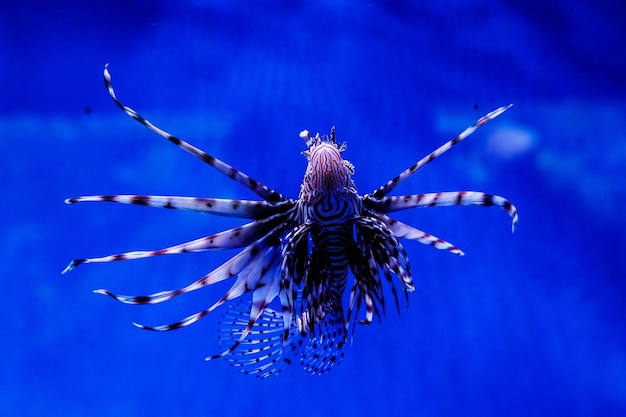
x=309, y=269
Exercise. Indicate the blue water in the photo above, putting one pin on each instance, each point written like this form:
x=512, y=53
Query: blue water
x=529, y=324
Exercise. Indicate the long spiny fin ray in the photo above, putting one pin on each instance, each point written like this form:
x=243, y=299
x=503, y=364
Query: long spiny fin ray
x=451, y=198
x=385, y=189
x=234, y=238
x=254, y=276
x=374, y=270
x=235, y=291
x=402, y=230
x=383, y=255
x=184, y=322
x=228, y=269
x=369, y=315
x=256, y=187
x=247, y=209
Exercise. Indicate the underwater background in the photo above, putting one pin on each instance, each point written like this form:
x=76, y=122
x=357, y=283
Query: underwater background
x=525, y=324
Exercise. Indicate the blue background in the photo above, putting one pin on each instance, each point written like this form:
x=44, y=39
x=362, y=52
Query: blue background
x=526, y=324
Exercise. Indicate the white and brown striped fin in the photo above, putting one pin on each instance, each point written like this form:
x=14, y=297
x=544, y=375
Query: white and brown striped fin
x=243, y=284
x=256, y=187
x=245, y=260
x=262, y=352
x=227, y=270
x=262, y=277
x=247, y=209
x=319, y=354
x=391, y=255
x=295, y=257
x=234, y=238
x=381, y=254
x=402, y=230
x=385, y=189
x=451, y=198
x=374, y=270
x=187, y=320
x=257, y=274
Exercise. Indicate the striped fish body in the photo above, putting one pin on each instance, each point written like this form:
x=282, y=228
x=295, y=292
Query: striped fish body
x=331, y=208
x=326, y=208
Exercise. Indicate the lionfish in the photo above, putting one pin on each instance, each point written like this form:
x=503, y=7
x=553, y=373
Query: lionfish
x=301, y=251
